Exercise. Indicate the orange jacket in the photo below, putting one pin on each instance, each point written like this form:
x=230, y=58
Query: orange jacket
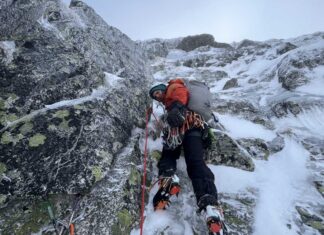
x=176, y=91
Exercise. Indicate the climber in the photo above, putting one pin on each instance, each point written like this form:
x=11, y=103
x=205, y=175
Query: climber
x=183, y=128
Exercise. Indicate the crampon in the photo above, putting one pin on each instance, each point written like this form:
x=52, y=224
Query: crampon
x=168, y=186
x=215, y=221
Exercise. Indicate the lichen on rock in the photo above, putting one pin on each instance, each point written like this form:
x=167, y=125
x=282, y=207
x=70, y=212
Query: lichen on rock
x=37, y=140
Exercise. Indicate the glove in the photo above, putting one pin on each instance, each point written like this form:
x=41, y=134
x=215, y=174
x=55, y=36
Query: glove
x=176, y=116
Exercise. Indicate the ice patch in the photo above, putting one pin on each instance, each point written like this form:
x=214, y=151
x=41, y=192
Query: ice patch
x=241, y=128
x=98, y=93
x=9, y=48
x=111, y=80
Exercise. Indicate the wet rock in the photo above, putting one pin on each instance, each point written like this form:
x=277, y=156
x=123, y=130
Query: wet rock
x=231, y=84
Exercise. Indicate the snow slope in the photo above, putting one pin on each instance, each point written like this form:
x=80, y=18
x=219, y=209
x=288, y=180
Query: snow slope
x=280, y=196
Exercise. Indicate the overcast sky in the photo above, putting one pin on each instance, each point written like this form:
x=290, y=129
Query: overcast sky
x=227, y=20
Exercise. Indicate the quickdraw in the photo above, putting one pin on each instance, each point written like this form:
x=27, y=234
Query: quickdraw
x=64, y=224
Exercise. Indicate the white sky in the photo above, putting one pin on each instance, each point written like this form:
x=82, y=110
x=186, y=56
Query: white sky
x=227, y=20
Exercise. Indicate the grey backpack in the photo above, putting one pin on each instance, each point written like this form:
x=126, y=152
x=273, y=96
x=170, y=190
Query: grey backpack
x=200, y=98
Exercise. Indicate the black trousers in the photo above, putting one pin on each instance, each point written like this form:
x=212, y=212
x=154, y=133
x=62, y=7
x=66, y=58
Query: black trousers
x=201, y=176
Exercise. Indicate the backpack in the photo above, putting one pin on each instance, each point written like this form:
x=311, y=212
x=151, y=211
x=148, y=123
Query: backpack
x=200, y=98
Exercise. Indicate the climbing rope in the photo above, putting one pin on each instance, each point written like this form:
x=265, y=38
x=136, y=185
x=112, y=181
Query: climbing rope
x=148, y=113
x=173, y=138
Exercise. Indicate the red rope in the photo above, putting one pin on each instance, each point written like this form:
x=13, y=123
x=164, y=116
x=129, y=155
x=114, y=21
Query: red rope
x=148, y=112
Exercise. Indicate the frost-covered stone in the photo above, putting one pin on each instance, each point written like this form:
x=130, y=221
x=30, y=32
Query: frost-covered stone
x=257, y=148
x=224, y=150
x=276, y=145
x=66, y=115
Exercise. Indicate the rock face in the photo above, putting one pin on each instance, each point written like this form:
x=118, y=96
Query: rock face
x=72, y=100
x=66, y=116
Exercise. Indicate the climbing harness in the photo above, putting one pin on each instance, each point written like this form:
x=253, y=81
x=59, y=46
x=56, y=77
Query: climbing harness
x=173, y=136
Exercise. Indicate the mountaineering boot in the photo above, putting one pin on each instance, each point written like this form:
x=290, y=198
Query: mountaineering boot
x=215, y=220
x=168, y=186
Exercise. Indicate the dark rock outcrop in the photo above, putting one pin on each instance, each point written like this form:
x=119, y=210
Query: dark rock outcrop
x=190, y=43
x=285, y=48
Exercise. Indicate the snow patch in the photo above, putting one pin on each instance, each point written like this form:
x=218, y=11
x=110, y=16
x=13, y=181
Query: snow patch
x=232, y=180
x=282, y=180
x=241, y=128
x=50, y=27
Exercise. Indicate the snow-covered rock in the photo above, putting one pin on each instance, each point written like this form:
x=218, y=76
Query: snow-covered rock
x=270, y=123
